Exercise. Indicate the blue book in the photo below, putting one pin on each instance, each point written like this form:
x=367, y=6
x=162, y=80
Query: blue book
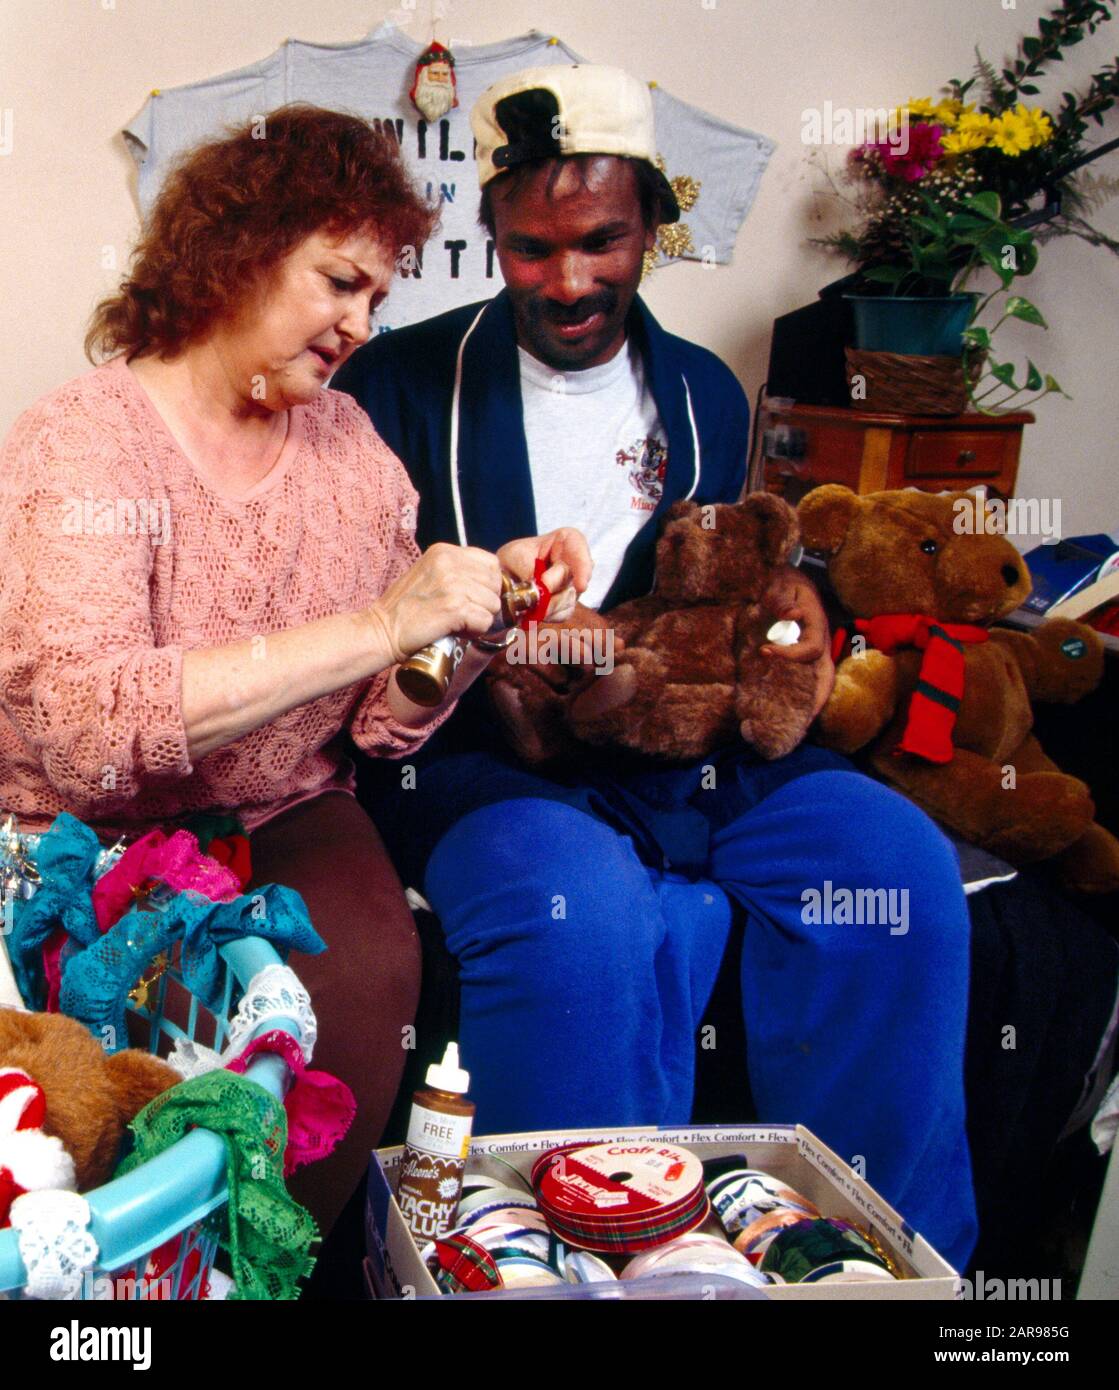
x=1061, y=570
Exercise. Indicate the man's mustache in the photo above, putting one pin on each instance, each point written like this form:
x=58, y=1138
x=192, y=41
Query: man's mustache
x=548, y=311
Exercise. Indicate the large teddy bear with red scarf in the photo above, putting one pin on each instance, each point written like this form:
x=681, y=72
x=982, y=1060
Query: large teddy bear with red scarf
x=939, y=700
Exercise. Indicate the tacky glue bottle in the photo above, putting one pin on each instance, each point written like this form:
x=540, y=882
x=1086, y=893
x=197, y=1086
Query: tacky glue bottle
x=436, y=1149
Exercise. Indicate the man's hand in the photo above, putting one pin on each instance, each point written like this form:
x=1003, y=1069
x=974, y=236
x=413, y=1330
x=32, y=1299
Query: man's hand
x=792, y=596
x=569, y=566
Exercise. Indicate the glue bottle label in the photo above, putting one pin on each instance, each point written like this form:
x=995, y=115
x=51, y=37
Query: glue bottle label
x=436, y=1132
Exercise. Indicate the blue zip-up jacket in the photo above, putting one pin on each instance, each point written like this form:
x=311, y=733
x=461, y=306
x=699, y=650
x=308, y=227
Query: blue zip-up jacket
x=445, y=396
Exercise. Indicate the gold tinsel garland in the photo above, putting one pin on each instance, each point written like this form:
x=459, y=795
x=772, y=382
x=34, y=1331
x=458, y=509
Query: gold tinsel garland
x=674, y=239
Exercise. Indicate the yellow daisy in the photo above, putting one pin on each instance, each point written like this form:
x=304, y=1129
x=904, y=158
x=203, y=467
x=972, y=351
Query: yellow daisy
x=1038, y=123
x=949, y=111
x=963, y=141
x=1012, y=134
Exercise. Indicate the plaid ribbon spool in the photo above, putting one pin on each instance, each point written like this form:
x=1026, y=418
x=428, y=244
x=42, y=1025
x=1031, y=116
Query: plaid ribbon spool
x=620, y=1198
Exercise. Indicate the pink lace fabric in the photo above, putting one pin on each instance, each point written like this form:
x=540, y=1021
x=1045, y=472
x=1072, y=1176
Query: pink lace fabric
x=320, y=1108
x=174, y=860
x=118, y=557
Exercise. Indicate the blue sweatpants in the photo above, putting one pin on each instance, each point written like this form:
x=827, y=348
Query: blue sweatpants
x=585, y=974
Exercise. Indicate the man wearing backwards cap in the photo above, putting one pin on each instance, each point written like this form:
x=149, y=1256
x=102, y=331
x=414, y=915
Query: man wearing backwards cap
x=589, y=907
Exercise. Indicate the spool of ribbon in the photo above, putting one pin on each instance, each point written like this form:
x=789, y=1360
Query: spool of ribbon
x=620, y=1197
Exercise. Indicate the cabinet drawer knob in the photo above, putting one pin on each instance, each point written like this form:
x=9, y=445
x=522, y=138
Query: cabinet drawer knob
x=965, y=456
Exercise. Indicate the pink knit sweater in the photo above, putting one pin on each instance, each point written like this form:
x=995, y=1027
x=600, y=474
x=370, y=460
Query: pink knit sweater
x=116, y=558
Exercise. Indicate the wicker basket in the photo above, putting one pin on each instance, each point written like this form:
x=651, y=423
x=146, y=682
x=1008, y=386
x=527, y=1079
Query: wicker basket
x=910, y=385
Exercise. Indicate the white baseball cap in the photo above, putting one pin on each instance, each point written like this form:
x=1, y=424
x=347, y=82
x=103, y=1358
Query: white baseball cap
x=548, y=112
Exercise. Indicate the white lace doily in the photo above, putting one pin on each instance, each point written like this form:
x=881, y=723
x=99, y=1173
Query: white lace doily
x=274, y=992
x=55, y=1245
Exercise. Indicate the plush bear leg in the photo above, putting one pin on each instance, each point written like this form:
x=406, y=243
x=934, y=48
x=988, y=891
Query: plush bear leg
x=1091, y=863
x=532, y=718
x=1017, y=814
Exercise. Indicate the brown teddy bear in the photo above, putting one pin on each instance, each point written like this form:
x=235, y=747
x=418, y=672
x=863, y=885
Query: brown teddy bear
x=690, y=674
x=943, y=706
x=65, y=1102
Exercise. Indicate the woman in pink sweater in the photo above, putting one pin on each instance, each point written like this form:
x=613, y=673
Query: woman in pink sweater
x=210, y=570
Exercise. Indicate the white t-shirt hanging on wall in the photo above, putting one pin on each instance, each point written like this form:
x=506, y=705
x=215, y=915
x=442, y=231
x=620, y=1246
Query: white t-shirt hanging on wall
x=597, y=454
x=372, y=78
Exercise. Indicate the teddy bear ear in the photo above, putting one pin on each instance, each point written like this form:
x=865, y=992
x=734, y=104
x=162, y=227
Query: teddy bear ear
x=825, y=515
x=777, y=527
x=680, y=509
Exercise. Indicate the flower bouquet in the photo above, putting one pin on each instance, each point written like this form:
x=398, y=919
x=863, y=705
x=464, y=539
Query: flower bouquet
x=949, y=190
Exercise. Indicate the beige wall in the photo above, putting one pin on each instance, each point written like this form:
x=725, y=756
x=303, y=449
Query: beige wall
x=72, y=72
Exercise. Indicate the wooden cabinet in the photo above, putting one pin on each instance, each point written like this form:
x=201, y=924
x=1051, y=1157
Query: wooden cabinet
x=798, y=447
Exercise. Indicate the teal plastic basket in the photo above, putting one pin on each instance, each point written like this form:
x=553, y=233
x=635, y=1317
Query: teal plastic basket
x=181, y=1193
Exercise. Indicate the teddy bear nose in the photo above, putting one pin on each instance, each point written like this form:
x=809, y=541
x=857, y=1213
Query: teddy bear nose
x=1010, y=574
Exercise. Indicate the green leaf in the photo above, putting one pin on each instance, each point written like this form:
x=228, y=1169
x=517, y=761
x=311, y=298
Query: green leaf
x=1027, y=258
x=986, y=204
x=968, y=229
x=1034, y=380
x=1004, y=372
x=994, y=259
x=1020, y=308
x=1052, y=384
x=885, y=274
x=1029, y=89
x=978, y=335
x=927, y=224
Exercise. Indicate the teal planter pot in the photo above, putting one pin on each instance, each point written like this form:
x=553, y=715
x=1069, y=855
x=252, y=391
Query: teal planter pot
x=911, y=324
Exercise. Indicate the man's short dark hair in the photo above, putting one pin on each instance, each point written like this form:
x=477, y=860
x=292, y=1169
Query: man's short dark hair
x=648, y=185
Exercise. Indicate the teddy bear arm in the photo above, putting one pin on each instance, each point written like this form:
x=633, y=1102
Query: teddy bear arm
x=862, y=702
x=1061, y=660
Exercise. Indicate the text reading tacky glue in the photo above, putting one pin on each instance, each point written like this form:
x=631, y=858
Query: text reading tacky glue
x=435, y=1151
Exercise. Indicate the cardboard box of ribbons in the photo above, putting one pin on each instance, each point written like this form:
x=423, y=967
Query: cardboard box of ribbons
x=791, y=1154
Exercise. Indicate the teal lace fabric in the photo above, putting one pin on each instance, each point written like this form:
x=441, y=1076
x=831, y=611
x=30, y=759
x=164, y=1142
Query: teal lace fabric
x=68, y=857
x=267, y=1235
x=96, y=981
x=98, y=971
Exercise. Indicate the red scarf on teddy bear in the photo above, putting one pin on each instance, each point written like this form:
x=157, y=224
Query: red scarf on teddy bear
x=935, y=702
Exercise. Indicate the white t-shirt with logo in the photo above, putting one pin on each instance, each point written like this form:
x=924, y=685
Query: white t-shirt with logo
x=597, y=454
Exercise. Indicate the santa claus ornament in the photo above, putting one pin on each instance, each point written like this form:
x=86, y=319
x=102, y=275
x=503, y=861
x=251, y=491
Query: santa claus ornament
x=29, y=1159
x=433, y=88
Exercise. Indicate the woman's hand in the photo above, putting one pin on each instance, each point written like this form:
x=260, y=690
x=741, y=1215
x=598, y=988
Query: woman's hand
x=569, y=566
x=450, y=590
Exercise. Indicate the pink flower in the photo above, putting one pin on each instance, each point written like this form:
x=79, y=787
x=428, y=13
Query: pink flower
x=914, y=152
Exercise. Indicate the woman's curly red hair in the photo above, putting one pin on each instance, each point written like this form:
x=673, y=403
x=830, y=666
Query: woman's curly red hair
x=232, y=209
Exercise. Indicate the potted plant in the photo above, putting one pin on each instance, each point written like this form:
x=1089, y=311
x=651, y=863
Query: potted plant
x=925, y=307
x=927, y=311
x=952, y=199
